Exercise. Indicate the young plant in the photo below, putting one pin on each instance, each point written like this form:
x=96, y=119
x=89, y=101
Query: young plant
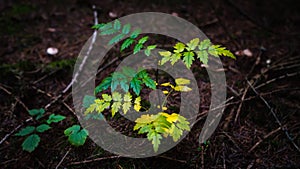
x=32, y=140
x=162, y=124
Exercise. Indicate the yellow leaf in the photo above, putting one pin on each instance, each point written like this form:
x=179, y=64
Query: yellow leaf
x=182, y=88
x=167, y=84
x=145, y=119
x=126, y=107
x=115, y=108
x=127, y=97
x=182, y=81
x=171, y=118
x=164, y=108
x=165, y=53
x=165, y=92
x=137, y=104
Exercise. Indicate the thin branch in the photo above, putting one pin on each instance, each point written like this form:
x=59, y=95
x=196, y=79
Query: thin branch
x=94, y=160
x=63, y=158
x=275, y=116
x=265, y=137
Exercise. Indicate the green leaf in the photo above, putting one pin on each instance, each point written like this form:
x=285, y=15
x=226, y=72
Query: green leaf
x=149, y=82
x=156, y=141
x=147, y=52
x=76, y=136
x=106, y=97
x=126, y=107
x=135, y=33
x=98, y=26
x=175, y=132
x=106, y=26
x=108, y=32
x=115, y=108
x=128, y=71
x=103, y=85
x=117, y=97
x=72, y=129
x=55, y=118
x=165, y=53
x=148, y=49
x=192, y=44
x=143, y=39
x=126, y=43
x=124, y=85
x=43, y=127
x=37, y=112
x=146, y=118
x=88, y=100
x=25, y=131
x=116, y=39
x=204, y=44
x=151, y=47
x=203, y=56
x=179, y=47
x=217, y=50
x=175, y=57
x=188, y=59
x=135, y=84
x=31, y=142
x=126, y=29
x=94, y=116
x=137, y=48
x=117, y=24
x=212, y=50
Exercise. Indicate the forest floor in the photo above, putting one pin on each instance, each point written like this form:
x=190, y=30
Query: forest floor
x=260, y=127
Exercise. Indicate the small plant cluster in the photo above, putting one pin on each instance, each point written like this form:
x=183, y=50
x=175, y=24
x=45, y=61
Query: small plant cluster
x=32, y=140
x=162, y=124
x=156, y=126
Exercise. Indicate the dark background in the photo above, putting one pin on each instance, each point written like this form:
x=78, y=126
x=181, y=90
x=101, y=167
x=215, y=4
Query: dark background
x=248, y=135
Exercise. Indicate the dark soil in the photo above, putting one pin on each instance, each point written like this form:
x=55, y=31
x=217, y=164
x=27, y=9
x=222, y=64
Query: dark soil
x=248, y=136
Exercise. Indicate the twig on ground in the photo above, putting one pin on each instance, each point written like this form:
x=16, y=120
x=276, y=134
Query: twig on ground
x=240, y=105
x=275, y=116
x=169, y=158
x=60, y=162
x=94, y=160
x=265, y=137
